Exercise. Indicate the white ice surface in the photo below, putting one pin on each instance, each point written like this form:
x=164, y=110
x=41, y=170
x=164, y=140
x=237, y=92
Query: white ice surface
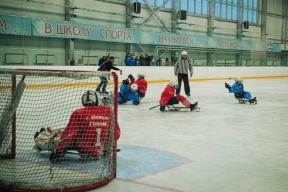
x=230, y=147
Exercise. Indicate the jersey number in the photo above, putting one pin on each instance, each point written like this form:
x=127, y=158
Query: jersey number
x=98, y=133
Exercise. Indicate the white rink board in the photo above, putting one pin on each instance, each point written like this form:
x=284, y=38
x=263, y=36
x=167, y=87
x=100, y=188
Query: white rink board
x=166, y=73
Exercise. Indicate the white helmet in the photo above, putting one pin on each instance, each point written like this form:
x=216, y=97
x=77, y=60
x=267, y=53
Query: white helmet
x=184, y=53
x=173, y=84
x=239, y=79
x=90, y=98
x=134, y=87
x=141, y=75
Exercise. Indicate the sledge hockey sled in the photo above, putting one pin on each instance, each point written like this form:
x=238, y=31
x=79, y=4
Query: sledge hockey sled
x=242, y=100
x=177, y=108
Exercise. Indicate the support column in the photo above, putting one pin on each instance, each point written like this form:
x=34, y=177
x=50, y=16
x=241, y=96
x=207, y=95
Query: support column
x=175, y=25
x=239, y=29
x=210, y=29
x=263, y=60
x=69, y=43
x=129, y=23
x=211, y=17
x=284, y=31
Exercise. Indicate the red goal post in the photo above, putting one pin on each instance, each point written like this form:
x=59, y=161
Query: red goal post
x=31, y=99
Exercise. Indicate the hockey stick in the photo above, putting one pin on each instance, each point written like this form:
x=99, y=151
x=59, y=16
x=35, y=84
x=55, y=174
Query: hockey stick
x=154, y=107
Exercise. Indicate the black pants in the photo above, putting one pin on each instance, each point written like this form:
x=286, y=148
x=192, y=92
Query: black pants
x=103, y=83
x=239, y=95
x=141, y=94
x=173, y=101
x=185, y=78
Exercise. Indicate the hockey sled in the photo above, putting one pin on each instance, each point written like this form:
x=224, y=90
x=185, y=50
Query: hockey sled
x=176, y=108
x=243, y=100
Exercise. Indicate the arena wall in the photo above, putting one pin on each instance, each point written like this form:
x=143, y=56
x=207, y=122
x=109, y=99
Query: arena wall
x=164, y=74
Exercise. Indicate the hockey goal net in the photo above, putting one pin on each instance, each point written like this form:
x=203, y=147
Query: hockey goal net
x=32, y=99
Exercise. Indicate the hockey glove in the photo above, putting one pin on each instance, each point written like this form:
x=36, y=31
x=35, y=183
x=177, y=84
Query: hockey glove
x=136, y=102
x=125, y=82
x=131, y=77
x=227, y=86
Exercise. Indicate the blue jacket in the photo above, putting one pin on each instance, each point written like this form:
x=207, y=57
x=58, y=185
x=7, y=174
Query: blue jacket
x=128, y=61
x=127, y=94
x=236, y=88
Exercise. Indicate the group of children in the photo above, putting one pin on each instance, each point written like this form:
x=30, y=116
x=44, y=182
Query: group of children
x=134, y=90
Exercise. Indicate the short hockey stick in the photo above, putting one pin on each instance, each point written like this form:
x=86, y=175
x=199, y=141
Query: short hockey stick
x=154, y=107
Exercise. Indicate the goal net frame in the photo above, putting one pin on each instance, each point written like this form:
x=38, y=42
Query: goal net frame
x=17, y=86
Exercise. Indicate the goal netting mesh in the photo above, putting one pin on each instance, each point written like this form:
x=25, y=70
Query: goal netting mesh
x=35, y=99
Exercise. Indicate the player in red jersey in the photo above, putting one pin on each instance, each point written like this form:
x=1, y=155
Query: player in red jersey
x=87, y=130
x=141, y=82
x=168, y=98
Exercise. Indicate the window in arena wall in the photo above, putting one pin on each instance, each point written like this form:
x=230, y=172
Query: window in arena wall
x=194, y=6
x=251, y=11
x=226, y=9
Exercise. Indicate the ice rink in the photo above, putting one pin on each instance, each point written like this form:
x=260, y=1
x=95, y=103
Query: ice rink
x=226, y=147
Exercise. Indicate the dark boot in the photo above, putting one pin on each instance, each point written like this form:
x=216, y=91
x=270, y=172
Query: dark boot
x=253, y=100
x=162, y=108
x=193, y=106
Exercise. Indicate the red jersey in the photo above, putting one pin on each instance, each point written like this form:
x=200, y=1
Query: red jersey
x=169, y=93
x=142, y=85
x=88, y=127
x=166, y=95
